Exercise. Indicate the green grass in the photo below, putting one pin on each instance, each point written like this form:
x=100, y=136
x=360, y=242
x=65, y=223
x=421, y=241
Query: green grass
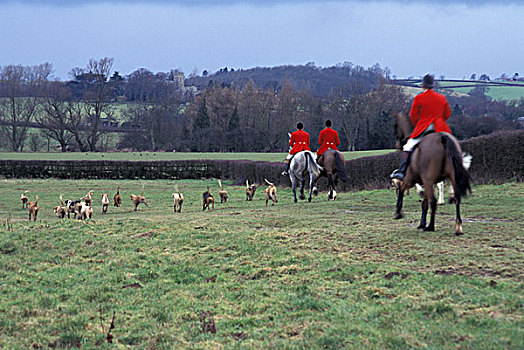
x=499, y=92
x=495, y=92
x=148, y=156
x=314, y=275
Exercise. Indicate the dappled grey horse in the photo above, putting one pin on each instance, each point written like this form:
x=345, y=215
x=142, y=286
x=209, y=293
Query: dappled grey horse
x=301, y=164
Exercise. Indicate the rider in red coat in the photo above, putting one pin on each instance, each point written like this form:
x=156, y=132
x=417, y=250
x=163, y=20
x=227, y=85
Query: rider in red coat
x=328, y=138
x=299, y=141
x=429, y=112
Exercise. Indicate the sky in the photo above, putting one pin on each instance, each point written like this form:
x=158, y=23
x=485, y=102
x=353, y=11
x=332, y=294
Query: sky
x=450, y=38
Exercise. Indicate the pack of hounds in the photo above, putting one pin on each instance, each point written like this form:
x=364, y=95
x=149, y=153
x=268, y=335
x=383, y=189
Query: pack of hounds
x=82, y=209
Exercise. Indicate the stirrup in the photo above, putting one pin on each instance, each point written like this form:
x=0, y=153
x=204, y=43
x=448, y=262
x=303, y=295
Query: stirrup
x=396, y=174
x=284, y=173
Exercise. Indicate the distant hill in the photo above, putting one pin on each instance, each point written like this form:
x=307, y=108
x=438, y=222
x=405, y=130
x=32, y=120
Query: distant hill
x=321, y=81
x=496, y=90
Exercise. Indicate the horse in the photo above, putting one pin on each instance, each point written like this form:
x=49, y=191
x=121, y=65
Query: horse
x=304, y=162
x=437, y=157
x=466, y=161
x=333, y=164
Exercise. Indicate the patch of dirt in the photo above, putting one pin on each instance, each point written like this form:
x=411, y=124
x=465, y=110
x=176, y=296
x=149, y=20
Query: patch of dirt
x=143, y=235
x=393, y=274
x=206, y=325
x=445, y=272
x=239, y=336
x=8, y=250
x=133, y=285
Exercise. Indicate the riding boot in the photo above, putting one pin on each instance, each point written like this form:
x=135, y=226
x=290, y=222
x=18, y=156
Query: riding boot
x=401, y=171
x=286, y=172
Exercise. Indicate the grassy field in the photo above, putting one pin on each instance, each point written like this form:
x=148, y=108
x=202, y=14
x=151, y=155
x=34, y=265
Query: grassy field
x=500, y=92
x=152, y=156
x=314, y=275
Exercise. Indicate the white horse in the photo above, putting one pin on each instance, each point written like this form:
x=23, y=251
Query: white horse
x=301, y=164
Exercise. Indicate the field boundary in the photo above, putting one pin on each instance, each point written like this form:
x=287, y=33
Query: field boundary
x=497, y=158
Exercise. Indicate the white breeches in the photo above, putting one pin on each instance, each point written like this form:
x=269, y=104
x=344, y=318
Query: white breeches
x=408, y=147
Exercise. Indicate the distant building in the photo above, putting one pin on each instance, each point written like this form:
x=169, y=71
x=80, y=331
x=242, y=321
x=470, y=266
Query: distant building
x=178, y=79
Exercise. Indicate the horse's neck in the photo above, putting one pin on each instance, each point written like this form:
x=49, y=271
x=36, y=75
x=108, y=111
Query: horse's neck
x=405, y=126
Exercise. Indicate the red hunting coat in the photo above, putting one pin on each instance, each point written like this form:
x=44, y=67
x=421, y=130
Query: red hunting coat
x=299, y=141
x=328, y=138
x=429, y=107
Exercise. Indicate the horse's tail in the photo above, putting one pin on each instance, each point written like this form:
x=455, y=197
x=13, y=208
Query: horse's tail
x=312, y=167
x=466, y=160
x=462, y=178
x=341, y=169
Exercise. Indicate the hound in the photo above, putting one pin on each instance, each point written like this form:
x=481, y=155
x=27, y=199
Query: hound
x=139, y=199
x=250, y=190
x=178, y=200
x=105, y=203
x=208, y=199
x=61, y=210
x=222, y=193
x=271, y=193
x=86, y=211
x=332, y=195
x=33, y=209
x=73, y=207
x=117, y=199
x=24, y=199
x=87, y=198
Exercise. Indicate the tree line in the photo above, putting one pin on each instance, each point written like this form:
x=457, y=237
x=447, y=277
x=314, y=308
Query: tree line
x=231, y=113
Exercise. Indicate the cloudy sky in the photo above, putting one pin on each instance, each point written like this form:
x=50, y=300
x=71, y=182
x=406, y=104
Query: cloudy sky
x=454, y=38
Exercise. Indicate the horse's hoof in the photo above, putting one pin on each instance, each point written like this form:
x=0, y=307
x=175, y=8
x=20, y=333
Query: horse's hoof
x=420, y=227
x=302, y=197
x=398, y=216
x=429, y=229
x=309, y=199
x=459, y=233
x=295, y=200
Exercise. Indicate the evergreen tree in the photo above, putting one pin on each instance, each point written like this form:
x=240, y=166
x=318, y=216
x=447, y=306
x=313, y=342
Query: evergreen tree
x=202, y=118
x=234, y=121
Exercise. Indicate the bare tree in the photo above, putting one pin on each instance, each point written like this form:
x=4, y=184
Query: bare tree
x=19, y=100
x=55, y=117
x=96, y=96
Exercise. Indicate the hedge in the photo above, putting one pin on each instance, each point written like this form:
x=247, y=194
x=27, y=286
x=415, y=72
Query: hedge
x=497, y=158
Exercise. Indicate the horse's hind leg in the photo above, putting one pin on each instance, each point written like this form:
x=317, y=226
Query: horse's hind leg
x=294, y=186
x=424, y=215
x=311, y=185
x=457, y=199
x=331, y=185
x=458, y=220
x=302, y=186
x=432, y=201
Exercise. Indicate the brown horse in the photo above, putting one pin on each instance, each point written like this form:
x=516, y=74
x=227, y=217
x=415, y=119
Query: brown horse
x=437, y=157
x=333, y=162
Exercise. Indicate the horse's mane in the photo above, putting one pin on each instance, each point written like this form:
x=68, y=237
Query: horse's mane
x=403, y=127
